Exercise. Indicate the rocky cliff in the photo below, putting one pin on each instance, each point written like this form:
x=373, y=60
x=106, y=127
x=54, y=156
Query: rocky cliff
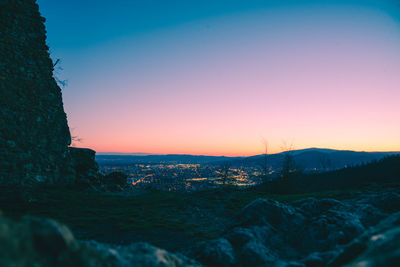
x=34, y=134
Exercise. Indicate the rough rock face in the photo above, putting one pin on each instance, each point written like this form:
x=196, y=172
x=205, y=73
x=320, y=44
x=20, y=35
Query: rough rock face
x=84, y=166
x=140, y=254
x=33, y=125
x=44, y=242
x=310, y=232
x=378, y=246
x=34, y=134
x=382, y=249
x=217, y=252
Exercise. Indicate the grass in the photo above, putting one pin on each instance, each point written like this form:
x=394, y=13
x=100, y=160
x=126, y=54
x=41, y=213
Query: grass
x=197, y=216
x=159, y=217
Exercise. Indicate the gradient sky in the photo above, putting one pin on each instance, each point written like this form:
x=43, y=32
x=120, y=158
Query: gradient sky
x=216, y=77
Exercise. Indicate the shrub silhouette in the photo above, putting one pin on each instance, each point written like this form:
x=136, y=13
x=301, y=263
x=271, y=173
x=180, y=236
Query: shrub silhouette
x=115, y=177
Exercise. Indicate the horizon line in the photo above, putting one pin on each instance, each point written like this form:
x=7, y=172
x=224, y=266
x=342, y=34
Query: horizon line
x=237, y=156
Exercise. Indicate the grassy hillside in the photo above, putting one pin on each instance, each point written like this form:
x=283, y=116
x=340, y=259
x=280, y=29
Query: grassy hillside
x=159, y=217
x=152, y=216
x=384, y=171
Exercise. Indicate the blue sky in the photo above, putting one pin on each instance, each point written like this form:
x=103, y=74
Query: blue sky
x=153, y=76
x=77, y=23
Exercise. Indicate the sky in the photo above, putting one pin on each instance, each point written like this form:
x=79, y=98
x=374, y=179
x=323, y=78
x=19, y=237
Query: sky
x=220, y=77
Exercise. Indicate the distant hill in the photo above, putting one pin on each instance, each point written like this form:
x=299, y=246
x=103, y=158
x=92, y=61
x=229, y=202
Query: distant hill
x=123, y=154
x=316, y=159
x=153, y=159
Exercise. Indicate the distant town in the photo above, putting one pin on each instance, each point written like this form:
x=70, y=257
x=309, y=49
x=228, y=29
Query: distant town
x=192, y=173
x=180, y=176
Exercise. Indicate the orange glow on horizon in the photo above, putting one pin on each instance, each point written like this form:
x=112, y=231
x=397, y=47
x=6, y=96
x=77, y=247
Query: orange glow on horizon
x=327, y=79
x=237, y=152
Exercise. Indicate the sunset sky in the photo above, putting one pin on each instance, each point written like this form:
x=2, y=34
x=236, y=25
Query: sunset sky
x=216, y=77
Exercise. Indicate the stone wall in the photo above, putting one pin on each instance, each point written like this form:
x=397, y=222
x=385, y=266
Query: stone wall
x=34, y=134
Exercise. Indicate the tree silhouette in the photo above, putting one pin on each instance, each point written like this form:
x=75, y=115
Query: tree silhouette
x=56, y=70
x=264, y=165
x=289, y=171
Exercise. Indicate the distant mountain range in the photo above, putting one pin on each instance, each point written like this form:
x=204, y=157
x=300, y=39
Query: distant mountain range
x=309, y=159
x=316, y=158
x=119, y=159
x=123, y=154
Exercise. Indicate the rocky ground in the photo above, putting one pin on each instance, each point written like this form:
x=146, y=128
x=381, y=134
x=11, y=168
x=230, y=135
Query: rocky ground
x=360, y=229
x=45, y=242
